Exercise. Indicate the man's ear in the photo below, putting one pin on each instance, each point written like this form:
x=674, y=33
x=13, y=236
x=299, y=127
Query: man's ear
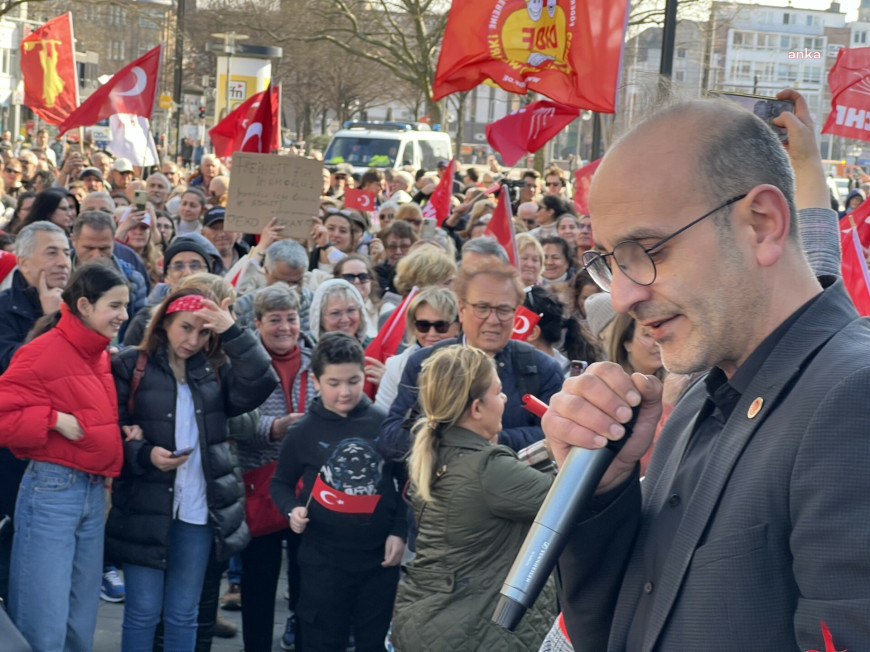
x=768, y=218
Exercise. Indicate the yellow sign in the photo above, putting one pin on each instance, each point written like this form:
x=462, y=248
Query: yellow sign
x=165, y=102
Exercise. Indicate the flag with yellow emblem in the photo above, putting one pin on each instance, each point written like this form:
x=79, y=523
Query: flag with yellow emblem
x=49, y=70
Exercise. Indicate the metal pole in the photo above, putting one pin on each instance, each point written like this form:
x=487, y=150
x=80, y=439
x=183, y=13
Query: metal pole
x=179, y=63
x=669, y=33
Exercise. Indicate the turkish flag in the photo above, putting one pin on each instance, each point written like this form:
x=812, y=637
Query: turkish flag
x=359, y=200
x=49, y=70
x=338, y=501
x=854, y=269
x=566, y=50
x=438, y=205
x=130, y=90
x=849, y=81
x=528, y=129
x=228, y=135
x=524, y=321
x=501, y=226
x=385, y=344
x=582, y=181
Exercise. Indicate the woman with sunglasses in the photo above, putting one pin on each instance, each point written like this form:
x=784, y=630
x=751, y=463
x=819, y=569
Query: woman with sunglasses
x=357, y=270
x=432, y=316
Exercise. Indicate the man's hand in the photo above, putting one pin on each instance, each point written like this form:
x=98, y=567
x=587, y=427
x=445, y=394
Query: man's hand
x=299, y=519
x=132, y=433
x=592, y=408
x=280, y=425
x=163, y=460
x=49, y=298
x=68, y=426
x=811, y=190
x=394, y=548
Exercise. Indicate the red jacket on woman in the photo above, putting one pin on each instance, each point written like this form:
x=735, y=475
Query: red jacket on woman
x=65, y=370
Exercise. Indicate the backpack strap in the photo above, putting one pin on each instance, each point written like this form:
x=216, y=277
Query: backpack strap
x=525, y=367
x=138, y=372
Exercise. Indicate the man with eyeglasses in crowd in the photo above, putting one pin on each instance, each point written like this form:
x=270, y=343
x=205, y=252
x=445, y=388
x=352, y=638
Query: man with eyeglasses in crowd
x=29, y=166
x=397, y=238
x=554, y=182
x=12, y=171
x=750, y=527
x=530, y=189
x=489, y=292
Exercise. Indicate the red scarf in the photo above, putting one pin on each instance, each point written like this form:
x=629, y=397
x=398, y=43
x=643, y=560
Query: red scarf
x=288, y=366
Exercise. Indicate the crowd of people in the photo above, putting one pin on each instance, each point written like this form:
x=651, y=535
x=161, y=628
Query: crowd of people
x=179, y=401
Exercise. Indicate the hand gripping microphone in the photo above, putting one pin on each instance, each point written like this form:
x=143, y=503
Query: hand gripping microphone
x=569, y=495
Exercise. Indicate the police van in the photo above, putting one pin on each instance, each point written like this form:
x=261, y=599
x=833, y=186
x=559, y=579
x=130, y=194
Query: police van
x=377, y=144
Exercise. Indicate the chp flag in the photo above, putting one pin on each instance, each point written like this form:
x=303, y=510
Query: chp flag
x=338, y=501
x=438, y=205
x=48, y=69
x=849, y=83
x=528, y=129
x=567, y=50
x=854, y=271
x=133, y=90
x=501, y=227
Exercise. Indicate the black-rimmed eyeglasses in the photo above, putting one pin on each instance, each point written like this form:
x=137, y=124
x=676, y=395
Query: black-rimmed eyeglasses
x=633, y=259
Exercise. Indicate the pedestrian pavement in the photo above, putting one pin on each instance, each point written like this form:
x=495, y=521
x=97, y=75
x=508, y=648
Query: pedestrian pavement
x=110, y=616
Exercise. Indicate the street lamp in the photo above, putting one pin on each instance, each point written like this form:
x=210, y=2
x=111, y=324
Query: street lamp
x=229, y=48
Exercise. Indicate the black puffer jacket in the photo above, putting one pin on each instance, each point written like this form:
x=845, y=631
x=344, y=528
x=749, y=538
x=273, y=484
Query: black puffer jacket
x=138, y=527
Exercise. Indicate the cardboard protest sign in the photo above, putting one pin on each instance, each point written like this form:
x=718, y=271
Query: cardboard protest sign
x=264, y=186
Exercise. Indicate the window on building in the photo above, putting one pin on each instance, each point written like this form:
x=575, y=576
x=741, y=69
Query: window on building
x=860, y=37
x=681, y=53
x=680, y=75
x=737, y=38
x=789, y=19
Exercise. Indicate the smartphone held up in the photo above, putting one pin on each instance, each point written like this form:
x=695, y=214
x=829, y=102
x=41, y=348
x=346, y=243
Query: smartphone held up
x=766, y=108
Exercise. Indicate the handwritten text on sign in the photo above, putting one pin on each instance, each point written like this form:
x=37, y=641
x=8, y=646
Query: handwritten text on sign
x=264, y=186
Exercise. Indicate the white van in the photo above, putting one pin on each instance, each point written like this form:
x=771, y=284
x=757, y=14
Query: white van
x=367, y=145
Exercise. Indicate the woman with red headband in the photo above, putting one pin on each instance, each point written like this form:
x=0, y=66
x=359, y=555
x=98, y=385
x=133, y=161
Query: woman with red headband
x=177, y=494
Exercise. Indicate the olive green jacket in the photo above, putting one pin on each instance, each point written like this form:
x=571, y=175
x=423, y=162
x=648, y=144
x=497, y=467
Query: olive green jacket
x=484, y=500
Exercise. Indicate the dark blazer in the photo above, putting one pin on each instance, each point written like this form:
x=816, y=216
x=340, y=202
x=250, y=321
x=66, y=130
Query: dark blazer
x=775, y=537
x=137, y=530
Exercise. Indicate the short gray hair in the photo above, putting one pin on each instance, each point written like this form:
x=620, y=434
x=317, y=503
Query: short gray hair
x=100, y=194
x=486, y=246
x=286, y=251
x=97, y=220
x=25, y=242
x=274, y=297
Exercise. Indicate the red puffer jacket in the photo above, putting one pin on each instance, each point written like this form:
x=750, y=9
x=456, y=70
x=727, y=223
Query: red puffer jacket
x=65, y=370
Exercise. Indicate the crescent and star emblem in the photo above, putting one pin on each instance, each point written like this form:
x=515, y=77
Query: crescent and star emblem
x=364, y=201
x=521, y=325
x=256, y=129
x=138, y=87
x=329, y=498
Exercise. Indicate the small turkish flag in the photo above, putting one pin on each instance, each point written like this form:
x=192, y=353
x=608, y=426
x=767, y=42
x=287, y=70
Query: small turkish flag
x=582, y=181
x=501, y=227
x=524, y=321
x=438, y=205
x=359, y=200
x=338, y=501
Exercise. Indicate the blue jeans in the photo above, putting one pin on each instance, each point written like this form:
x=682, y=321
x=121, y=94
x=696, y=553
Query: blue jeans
x=174, y=592
x=234, y=574
x=57, y=557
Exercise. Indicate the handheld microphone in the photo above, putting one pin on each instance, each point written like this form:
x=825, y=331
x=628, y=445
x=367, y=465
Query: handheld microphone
x=569, y=495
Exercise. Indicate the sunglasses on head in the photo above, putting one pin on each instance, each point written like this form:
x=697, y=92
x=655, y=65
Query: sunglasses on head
x=440, y=326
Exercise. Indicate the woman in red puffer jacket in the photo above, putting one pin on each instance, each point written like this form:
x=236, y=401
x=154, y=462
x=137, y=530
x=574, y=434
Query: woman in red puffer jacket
x=59, y=409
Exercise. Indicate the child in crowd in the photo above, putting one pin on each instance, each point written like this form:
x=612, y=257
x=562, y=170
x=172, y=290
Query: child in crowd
x=349, y=507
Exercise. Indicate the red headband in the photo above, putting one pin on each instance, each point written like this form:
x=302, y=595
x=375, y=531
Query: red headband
x=187, y=303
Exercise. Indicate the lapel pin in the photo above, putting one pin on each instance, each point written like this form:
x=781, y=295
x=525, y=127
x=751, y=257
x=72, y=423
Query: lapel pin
x=755, y=407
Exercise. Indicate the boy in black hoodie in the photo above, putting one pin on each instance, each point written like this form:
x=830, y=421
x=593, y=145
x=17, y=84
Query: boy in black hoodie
x=349, y=507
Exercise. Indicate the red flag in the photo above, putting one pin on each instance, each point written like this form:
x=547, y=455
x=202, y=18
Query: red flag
x=849, y=81
x=438, y=205
x=569, y=51
x=524, y=321
x=854, y=269
x=49, y=70
x=338, y=501
x=860, y=219
x=527, y=130
x=360, y=200
x=226, y=136
x=582, y=181
x=501, y=226
x=828, y=638
x=130, y=90
x=260, y=132
x=389, y=337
